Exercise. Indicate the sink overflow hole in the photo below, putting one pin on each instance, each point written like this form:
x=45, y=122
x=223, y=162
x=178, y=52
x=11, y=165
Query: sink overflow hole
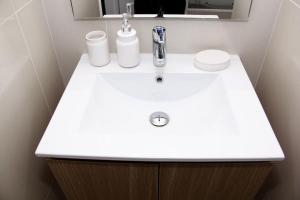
x=159, y=79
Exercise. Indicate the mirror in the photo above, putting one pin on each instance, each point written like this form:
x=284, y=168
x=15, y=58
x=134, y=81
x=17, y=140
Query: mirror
x=203, y=9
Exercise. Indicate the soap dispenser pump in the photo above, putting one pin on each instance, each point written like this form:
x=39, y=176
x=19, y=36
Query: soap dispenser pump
x=128, y=49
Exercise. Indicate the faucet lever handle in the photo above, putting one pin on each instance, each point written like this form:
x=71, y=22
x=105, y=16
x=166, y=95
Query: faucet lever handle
x=159, y=34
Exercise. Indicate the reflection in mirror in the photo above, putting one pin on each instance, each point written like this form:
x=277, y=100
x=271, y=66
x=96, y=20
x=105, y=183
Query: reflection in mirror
x=220, y=9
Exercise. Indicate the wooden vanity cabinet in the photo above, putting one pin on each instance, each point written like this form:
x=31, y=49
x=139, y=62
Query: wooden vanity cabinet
x=89, y=180
x=211, y=181
x=96, y=180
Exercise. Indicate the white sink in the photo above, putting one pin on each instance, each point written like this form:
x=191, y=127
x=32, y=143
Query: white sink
x=158, y=87
x=197, y=104
x=105, y=115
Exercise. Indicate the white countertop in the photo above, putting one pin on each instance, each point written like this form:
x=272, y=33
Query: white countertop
x=253, y=140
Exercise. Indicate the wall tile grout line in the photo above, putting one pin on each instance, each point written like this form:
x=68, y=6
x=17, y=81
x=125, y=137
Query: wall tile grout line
x=10, y=17
x=15, y=11
x=22, y=7
x=31, y=57
x=14, y=16
x=52, y=40
x=261, y=67
x=295, y=3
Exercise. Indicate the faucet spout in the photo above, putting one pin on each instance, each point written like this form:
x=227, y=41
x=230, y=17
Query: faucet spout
x=159, y=46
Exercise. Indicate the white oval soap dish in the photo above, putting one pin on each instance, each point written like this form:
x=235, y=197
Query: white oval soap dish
x=212, y=60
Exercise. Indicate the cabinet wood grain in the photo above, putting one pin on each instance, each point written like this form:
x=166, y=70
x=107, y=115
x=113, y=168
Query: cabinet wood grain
x=97, y=180
x=89, y=180
x=212, y=181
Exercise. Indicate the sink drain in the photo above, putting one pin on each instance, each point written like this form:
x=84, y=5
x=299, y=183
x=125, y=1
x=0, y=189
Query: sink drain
x=159, y=119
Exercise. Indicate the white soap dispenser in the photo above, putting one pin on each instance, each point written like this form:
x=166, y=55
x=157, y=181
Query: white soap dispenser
x=128, y=47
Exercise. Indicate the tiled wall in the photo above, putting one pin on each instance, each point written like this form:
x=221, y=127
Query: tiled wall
x=30, y=87
x=248, y=39
x=279, y=91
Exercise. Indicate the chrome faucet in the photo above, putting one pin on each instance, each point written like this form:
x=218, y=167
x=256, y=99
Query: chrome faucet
x=159, y=46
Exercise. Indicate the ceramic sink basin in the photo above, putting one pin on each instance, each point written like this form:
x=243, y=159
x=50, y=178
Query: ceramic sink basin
x=161, y=87
x=105, y=113
x=196, y=104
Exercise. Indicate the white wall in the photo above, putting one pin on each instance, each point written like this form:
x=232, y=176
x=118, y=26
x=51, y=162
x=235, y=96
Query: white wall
x=279, y=91
x=248, y=39
x=30, y=87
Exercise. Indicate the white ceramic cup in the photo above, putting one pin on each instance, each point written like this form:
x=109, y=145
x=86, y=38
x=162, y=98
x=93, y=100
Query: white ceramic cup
x=98, y=50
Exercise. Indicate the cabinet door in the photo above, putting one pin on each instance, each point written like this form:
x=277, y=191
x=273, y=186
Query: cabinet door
x=87, y=180
x=211, y=181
